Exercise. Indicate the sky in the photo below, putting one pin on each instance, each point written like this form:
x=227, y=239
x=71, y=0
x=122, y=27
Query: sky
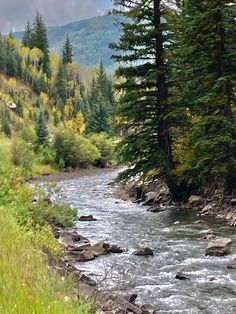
x=15, y=13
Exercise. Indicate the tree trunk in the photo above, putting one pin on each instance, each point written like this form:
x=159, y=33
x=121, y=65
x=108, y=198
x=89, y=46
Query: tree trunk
x=164, y=138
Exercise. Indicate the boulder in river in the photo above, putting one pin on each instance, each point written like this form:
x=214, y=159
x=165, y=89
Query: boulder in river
x=183, y=273
x=87, y=218
x=100, y=248
x=143, y=252
x=116, y=249
x=148, y=309
x=84, y=256
x=232, y=265
x=219, y=247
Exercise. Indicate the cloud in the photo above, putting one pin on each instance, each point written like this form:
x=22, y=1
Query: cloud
x=15, y=13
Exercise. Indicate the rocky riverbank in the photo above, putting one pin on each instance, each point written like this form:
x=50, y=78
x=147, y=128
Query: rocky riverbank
x=79, y=249
x=158, y=198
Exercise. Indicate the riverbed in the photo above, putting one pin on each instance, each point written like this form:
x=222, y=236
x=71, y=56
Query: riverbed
x=211, y=288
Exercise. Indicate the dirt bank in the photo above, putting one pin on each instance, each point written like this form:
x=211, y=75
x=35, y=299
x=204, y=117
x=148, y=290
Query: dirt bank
x=68, y=175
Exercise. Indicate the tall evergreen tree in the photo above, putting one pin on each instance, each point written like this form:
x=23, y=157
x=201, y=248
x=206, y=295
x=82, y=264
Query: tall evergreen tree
x=27, y=36
x=207, y=54
x=40, y=41
x=42, y=129
x=145, y=100
x=60, y=84
x=67, y=52
x=2, y=55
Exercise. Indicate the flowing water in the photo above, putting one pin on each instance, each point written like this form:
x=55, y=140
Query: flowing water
x=152, y=278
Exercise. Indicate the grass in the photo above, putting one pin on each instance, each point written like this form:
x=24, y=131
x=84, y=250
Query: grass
x=26, y=285
x=39, y=170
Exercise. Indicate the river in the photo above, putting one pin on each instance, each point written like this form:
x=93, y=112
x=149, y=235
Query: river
x=152, y=278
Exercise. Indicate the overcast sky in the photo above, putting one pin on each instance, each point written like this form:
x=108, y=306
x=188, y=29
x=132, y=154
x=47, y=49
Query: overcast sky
x=15, y=13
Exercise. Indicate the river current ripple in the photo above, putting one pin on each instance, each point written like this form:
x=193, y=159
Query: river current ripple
x=152, y=278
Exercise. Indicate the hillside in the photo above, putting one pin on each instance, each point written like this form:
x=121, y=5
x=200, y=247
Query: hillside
x=90, y=39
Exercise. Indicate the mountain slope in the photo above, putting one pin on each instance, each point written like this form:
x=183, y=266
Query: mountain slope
x=90, y=39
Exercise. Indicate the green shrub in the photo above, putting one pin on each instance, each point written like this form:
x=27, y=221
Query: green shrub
x=22, y=156
x=106, y=148
x=74, y=150
x=46, y=155
x=29, y=135
x=88, y=153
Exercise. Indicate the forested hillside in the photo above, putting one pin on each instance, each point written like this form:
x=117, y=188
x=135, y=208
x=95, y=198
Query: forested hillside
x=48, y=102
x=90, y=39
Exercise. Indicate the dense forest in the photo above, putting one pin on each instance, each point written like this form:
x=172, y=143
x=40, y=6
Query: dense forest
x=177, y=86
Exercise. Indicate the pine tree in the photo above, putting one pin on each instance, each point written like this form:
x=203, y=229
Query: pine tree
x=207, y=54
x=27, y=36
x=67, y=52
x=145, y=100
x=101, y=104
x=42, y=130
x=2, y=55
x=19, y=109
x=60, y=83
x=40, y=41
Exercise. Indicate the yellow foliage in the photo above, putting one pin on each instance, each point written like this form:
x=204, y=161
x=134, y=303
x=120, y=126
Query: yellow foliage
x=79, y=124
x=69, y=108
x=78, y=95
x=35, y=55
x=44, y=98
x=76, y=124
x=12, y=83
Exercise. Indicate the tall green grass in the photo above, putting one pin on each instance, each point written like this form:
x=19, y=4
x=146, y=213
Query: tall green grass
x=26, y=286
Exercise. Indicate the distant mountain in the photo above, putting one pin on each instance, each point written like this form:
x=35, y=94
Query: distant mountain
x=90, y=39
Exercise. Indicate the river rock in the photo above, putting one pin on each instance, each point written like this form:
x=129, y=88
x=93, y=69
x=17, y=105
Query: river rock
x=84, y=256
x=194, y=199
x=176, y=223
x=116, y=249
x=154, y=209
x=87, y=218
x=198, y=222
x=219, y=247
x=206, y=209
x=87, y=280
x=233, y=201
x=66, y=240
x=100, y=248
x=80, y=247
x=208, y=231
x=77, y=237
x=148, y=309
x=183, y=273
x=232, y=265
x=143, y=252
x=150, y=198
